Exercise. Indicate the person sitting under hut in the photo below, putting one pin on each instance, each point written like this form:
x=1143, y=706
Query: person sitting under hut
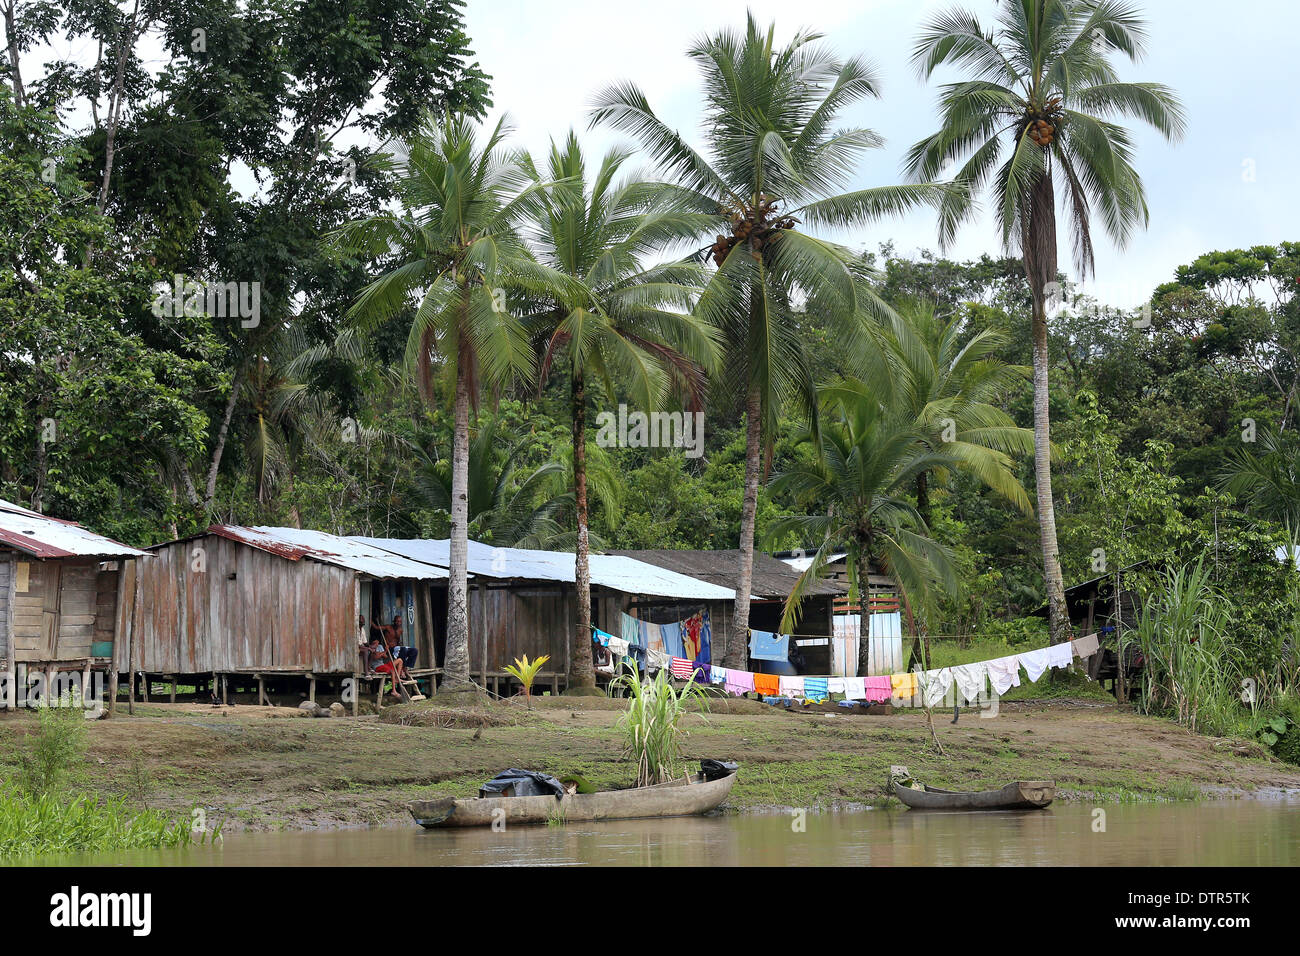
x=392, y=666
x=393, y=641
x=366, y=649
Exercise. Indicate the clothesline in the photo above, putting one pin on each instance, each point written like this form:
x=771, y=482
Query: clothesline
x=930, y=686
x=689, y=639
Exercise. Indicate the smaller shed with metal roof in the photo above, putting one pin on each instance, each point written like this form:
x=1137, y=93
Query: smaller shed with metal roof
x=274, y=603
x=59, y=593
x=523, y=601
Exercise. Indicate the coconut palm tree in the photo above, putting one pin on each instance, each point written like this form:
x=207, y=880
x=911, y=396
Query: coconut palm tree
x=865, y=462
x=1036, y=116
x=947, y=382
x=619, y=321
x=774, y=161
x=452, y=253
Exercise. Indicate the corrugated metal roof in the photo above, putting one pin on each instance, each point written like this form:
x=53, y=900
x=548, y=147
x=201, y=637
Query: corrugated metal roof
x=44, y=537
x=297, y=543
x=804, y=563
x=771, y=579
x=607, y=570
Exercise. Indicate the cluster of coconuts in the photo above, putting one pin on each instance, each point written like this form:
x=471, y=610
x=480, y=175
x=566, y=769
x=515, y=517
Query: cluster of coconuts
x=1042, y=129
x=754, y=226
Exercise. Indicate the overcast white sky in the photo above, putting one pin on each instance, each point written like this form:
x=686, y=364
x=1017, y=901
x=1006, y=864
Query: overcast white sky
x=1235, y=66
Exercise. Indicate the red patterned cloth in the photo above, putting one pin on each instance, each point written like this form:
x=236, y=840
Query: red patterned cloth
x=681, y=668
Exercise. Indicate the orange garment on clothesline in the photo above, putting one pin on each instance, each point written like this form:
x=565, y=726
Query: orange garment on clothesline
x=767, y=684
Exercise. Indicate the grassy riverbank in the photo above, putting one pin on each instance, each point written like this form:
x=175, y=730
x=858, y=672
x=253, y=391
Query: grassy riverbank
x=253, y=770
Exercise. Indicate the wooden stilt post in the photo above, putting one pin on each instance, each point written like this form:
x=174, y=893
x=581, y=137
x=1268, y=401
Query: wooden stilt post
x=356, y=693
x=112, y=690
x=172, y=697
x=311, y=688
x=261, y=691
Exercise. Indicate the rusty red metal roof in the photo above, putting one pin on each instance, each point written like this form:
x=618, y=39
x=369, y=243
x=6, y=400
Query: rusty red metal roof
x=41, y=536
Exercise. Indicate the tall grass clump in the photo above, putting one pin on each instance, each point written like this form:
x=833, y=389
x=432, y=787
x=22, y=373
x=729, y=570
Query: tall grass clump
x=1194, y=673
x=41, y=811
x=38, y=824
x=652, y=723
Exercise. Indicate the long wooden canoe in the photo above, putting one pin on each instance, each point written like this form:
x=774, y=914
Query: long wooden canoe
x=1018, y=795
x=677, y=798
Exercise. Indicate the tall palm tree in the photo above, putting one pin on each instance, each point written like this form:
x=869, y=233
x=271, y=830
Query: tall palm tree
x=866, y=458
x=774, y=160
x=451, y=253
x=1042, y=93
x=619, y=321
x=947, y=383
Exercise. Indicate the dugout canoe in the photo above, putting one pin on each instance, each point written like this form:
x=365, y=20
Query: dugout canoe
x=677, y=798
x=1018, y=795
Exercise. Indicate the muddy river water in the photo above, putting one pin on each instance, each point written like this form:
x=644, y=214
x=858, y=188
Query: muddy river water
x=1246, y=832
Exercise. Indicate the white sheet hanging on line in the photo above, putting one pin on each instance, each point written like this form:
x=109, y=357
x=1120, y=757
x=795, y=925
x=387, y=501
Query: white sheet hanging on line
x=970, y=679
x=1004, y=673
x=1035, y=663
x=1060, y=655
x=936, y=685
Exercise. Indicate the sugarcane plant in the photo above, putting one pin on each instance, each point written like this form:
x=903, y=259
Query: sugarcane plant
x=652, y=723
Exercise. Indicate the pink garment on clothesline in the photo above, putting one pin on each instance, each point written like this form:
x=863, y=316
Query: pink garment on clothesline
x=739, y=682
x=877, y=689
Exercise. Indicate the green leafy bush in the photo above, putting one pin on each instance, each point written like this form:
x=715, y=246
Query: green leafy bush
x=54, y=757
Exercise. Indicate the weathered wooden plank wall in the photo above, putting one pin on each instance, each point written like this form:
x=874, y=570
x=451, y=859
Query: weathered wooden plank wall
x=6, y=606
x=508, y=622
x=213, y=604
x=28, y=611
x=76, y=610
x=53, y=610
x=106, y=604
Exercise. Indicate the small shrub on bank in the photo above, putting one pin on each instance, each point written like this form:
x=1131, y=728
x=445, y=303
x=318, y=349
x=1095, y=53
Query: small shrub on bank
x=55, y=752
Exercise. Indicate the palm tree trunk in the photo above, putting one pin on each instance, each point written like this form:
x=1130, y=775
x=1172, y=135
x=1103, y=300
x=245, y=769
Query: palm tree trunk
x=214, y=466
x=864, y=607
x=923, y=496
x=455, y=672
x=1040, y=267
x=581, y=671
x=738, y=639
